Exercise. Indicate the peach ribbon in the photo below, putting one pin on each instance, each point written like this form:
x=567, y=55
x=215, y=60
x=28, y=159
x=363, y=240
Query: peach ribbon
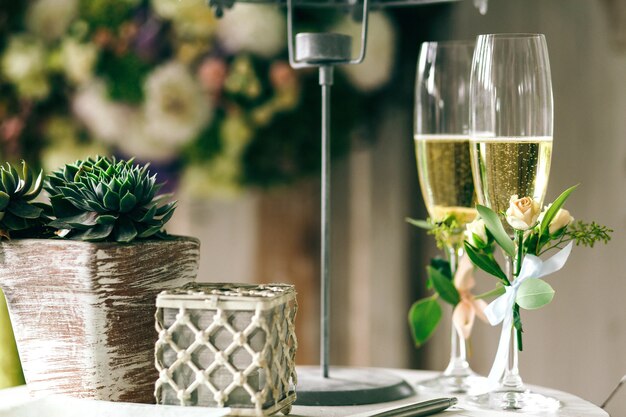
x=468, y=308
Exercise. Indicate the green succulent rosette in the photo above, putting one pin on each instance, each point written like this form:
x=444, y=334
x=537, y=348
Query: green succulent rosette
x=105, y=199
x=18, y=211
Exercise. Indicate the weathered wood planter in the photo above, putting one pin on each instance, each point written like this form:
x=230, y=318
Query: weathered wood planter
x=83, y=313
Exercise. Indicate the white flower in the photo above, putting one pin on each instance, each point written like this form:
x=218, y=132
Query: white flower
x=175, y=109
x=104, y=119
x=78, y=60
x=377, y=68
x=191, y=18
x=258, y=29
x=561, y=219
x=49, y=19
x=477, y=229
x=138, y=142
x=23, y=63
x=167, y=9
x=522, y=213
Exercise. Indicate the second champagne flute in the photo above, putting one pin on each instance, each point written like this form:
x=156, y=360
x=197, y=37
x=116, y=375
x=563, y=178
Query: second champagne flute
x=444, y=167
x=511, y=119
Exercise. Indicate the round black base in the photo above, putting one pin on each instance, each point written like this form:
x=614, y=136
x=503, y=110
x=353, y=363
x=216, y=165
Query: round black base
x=349, y=386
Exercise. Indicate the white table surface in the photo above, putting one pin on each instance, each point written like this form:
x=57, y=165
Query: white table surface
x=17, y=402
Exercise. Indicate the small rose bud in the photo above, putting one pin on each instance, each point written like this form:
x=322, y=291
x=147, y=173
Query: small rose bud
x=476, y=233
x=522, y=213
x=561, y=219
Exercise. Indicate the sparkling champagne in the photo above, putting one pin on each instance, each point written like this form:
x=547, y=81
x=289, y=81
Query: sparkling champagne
x=503, y=167
x=445, y=173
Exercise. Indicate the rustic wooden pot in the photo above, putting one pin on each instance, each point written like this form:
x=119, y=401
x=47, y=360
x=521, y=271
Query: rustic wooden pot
x=83, y=313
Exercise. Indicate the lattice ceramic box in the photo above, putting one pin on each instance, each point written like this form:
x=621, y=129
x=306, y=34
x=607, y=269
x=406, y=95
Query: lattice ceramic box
x=227, y=345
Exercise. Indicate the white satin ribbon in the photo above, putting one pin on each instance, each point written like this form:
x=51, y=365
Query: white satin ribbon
x=500, y=310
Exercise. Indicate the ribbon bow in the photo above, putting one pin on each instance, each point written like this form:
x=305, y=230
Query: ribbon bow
x=500, y=310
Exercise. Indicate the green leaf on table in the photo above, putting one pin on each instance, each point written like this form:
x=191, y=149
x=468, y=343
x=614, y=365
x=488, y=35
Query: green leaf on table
x=494, y=225
x=554, y=208
x=486, y=263
x=444, y=286
x=534, y=293
x=496, y=292
x=442, y=266
x=424, y=316
x=422, y=224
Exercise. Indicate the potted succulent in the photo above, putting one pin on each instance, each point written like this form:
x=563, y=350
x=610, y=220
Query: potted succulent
x=82, y=301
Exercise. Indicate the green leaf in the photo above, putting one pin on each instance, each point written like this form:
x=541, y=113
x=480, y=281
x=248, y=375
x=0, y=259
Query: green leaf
x=424, y=316
x=13, y=222
x=149, y=214
x=422, y=224
x=493, y=223
x=63, y=208
x=106, y=219
x=111, y=201
x=444, y=286
x=100, y=191
x=554, y=208
x=127, y=203
x=7, y=182
x=486, y=263
x=517, y=324
x=88, y=218
x=22, y=209
x=496, y=292
x=168, y=215
x=150, y=231
x=95, y=206
x=69, y=173
x=4, y=200
x=97, y=233
x=126, y=231
x=164, y=209
x=534, y=293
x=27, y=176
x=442, y=266
x=69, y=192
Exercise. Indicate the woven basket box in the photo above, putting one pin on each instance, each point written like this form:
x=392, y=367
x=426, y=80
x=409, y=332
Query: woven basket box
x=227, y=345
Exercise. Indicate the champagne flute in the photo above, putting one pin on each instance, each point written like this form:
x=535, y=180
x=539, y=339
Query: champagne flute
x=511, y=123
x=445, y=173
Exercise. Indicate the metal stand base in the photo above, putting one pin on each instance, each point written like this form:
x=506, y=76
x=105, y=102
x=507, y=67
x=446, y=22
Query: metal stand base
x=349, y=386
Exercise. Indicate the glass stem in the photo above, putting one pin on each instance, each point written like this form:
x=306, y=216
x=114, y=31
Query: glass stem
x=512, y=381
x=458, y=365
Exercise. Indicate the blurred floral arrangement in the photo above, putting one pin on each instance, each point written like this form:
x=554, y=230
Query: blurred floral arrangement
x=212, y=102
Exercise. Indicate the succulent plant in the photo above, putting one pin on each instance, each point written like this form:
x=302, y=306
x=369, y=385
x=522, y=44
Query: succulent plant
x=18, y=212
x=107, y=199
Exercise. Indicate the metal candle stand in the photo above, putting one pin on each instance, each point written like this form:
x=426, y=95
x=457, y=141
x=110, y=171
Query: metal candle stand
x=347, y=386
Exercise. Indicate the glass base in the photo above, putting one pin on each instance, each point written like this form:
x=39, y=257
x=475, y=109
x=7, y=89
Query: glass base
x=516, y=400
x=466, y=384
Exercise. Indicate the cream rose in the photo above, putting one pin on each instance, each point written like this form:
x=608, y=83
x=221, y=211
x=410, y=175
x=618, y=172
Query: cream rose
x=522, y=213
x=476, y=229
x=560, y=220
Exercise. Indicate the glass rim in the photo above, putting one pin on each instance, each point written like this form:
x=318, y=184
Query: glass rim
x=515, y=35
x=451, y=43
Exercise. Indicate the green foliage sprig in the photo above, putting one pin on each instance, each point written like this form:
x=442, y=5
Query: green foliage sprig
x=446, y=232
x=107, y=199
